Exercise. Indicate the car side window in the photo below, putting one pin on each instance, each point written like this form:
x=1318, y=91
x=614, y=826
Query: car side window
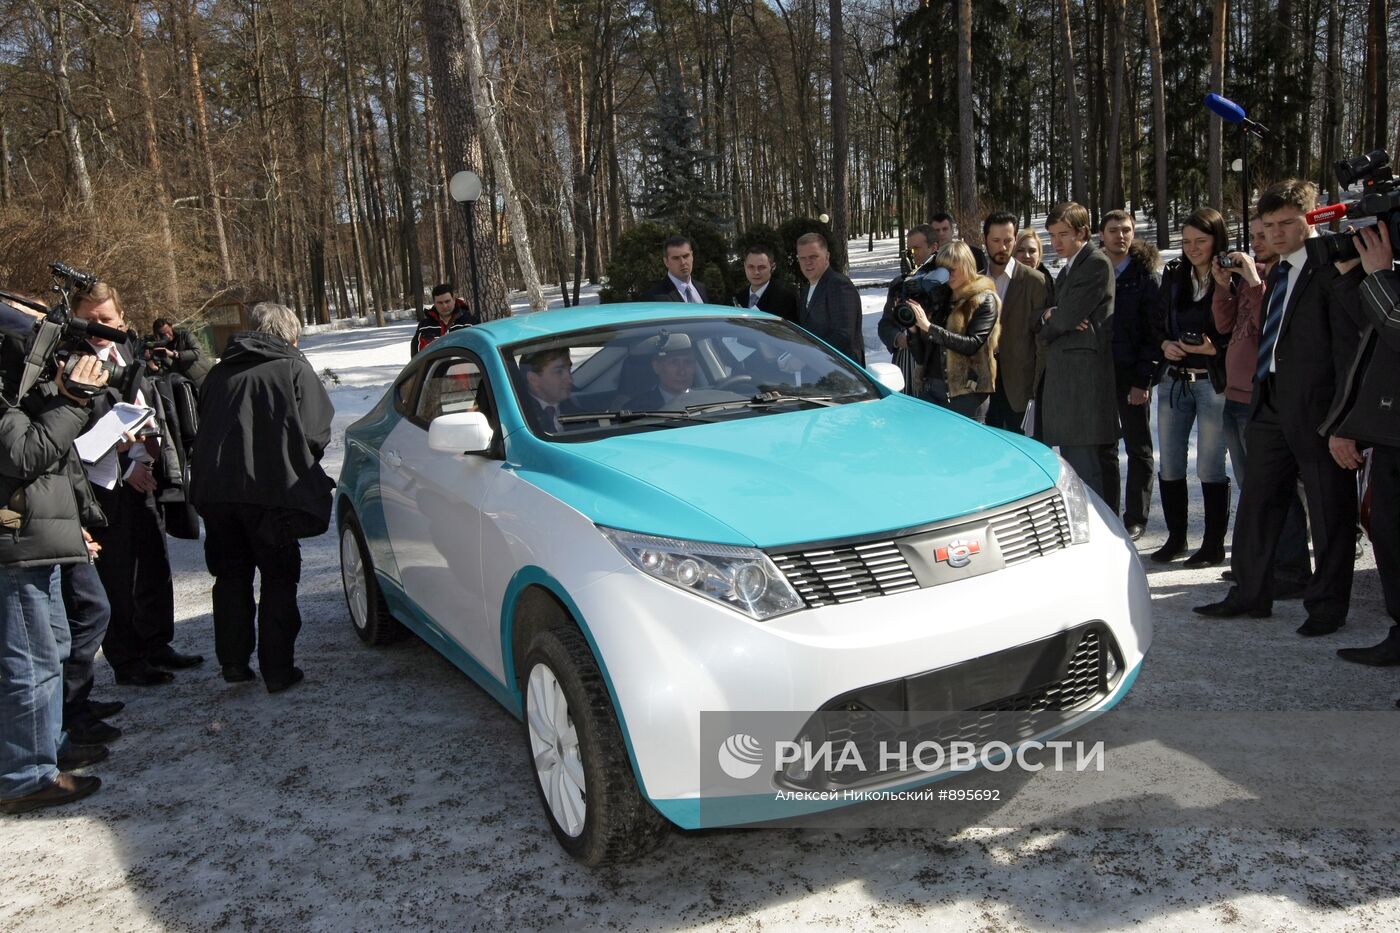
x=405, y=389
x=452, y=384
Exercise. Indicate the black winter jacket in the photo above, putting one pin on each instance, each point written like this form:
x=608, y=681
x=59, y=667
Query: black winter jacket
x=1176, y=314
x=45, y=499
x=1135, y=296
x=264, y=422
x=431, y=326
x=1367, y=411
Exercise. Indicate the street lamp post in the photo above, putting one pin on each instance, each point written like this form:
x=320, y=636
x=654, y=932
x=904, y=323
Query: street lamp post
x=465, y=186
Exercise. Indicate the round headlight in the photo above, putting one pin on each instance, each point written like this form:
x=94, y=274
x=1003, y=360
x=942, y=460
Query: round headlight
x=688, y=572
x=750, y=583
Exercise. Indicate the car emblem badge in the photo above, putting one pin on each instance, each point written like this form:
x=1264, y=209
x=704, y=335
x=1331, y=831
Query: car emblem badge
x=957, y=553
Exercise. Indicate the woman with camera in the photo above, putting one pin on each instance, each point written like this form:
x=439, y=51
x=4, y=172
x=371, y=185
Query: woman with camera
x=1192, y=390
x=959, y=356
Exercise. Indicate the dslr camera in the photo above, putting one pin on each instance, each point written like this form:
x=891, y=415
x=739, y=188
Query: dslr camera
x=1380, y=198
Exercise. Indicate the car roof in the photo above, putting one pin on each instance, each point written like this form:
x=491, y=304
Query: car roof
x=566, y=320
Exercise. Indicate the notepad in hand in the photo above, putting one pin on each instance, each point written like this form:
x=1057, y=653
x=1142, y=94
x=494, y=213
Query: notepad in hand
x=123, y=419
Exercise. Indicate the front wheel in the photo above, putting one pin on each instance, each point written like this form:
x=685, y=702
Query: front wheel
x=368, y=613
x=577, y=754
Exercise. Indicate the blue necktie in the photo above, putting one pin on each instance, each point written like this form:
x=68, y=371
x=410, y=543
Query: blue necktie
x=1272, y=322
x=753, y=300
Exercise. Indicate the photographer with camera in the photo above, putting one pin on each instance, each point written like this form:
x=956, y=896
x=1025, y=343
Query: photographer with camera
x=177, y=350
x=896, y=335
x=1366, y=415
x=44, y=504
x=135, y=562
x=1192, y=390
x=963, y=353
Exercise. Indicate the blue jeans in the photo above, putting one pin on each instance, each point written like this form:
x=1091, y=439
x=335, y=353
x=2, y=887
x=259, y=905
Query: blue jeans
x=33, y=643
x=1181, y=404
x=1236, y=417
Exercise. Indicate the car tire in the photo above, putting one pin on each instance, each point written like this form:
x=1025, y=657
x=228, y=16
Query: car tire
x=575, y=751
x=368, y=613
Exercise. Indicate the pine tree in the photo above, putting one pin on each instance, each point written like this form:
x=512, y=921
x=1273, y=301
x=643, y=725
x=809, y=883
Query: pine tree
x=674, y=165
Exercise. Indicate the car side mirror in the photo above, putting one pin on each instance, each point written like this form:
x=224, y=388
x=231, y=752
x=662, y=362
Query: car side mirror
x=887, y=374
x=463, y=432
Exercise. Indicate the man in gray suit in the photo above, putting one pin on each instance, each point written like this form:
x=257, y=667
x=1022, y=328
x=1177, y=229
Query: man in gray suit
x=1025, y=292
x=1075, y=401
x=828, y=305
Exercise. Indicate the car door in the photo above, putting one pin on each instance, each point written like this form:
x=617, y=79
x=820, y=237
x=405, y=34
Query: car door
x=434, y=502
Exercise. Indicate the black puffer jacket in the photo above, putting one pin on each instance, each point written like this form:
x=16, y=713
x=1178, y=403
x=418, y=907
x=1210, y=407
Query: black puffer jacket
x=1135, y=298
x=45, y=499
x=264, y=422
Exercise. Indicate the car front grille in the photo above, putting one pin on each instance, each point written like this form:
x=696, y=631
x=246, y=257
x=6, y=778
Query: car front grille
x=1077, y=669
x=847, y=574
x=1032, y=530
x=850, y=571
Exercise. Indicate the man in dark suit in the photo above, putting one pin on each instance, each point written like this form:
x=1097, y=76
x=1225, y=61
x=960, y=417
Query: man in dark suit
x=763, y=291
x=898, y=339
x=829, y=304
x=944, y=233
x=1309, y=336
x=678, y=253
x=1075, y=403
x=1025, y=293
x=549, y=383
x=134, y=564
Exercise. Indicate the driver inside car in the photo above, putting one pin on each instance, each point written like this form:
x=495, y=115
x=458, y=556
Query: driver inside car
x=673, y=363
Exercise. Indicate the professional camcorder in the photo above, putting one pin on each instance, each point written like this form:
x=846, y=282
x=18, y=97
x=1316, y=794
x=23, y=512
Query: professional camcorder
x=1380, y=198
x=932, y=293
x=47, y=339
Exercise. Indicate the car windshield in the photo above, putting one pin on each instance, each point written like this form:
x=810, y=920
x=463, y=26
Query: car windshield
x=665, y=374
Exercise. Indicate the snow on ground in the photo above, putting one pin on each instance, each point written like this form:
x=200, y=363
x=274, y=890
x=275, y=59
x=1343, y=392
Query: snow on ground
x=388, y=792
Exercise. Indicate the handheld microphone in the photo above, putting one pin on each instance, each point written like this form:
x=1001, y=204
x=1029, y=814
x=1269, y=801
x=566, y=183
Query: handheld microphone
x=1231, y=112
x=1327, y=214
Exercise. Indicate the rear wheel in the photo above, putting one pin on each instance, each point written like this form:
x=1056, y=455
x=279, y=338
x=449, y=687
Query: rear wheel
x=577, y=754
x=368, y=613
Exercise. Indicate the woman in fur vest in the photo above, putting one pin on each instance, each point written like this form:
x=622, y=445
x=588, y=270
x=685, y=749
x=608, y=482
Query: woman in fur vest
x=960, y=367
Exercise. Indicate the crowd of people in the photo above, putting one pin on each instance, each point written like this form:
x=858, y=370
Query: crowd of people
x=84, y=561
x=1282, y=364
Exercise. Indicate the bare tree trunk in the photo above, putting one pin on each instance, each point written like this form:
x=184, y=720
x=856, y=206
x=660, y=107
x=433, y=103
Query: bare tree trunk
x=500, y=159
x=1113, y=171
x=7, y=184
x=1159, y=125
x=461, y=149
x=1332, y=113
x=1214, y=167
x=206, y=155
x=1378, y=75
x=840, y=132
x=1078, y=188
x=967, y=153
x=72, y=141
x=148, y=113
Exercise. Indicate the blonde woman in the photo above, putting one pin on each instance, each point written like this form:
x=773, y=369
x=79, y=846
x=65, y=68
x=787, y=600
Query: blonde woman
x=960, y=367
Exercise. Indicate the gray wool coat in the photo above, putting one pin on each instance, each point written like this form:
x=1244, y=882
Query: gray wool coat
x=1076, y=395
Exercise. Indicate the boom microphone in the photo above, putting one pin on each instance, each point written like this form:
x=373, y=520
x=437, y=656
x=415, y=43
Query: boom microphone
x=1231, y=112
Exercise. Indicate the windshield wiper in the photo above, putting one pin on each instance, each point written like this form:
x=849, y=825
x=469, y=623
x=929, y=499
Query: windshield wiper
x=623, y=415
x=768, y=400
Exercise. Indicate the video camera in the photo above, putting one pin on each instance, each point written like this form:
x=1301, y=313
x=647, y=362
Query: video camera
x=930, y=290
x=1380, y=198
x=47, y=336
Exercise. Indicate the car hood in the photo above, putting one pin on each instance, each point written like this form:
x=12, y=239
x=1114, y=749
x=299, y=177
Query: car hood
x=797, y=476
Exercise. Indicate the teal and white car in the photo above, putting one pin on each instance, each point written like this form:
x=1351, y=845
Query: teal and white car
x=608, y=560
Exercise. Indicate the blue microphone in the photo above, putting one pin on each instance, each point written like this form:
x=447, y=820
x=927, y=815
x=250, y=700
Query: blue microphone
x=1231, y=112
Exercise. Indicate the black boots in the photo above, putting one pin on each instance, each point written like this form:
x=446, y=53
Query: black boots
x=1217, y=501
x=1173, y=493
